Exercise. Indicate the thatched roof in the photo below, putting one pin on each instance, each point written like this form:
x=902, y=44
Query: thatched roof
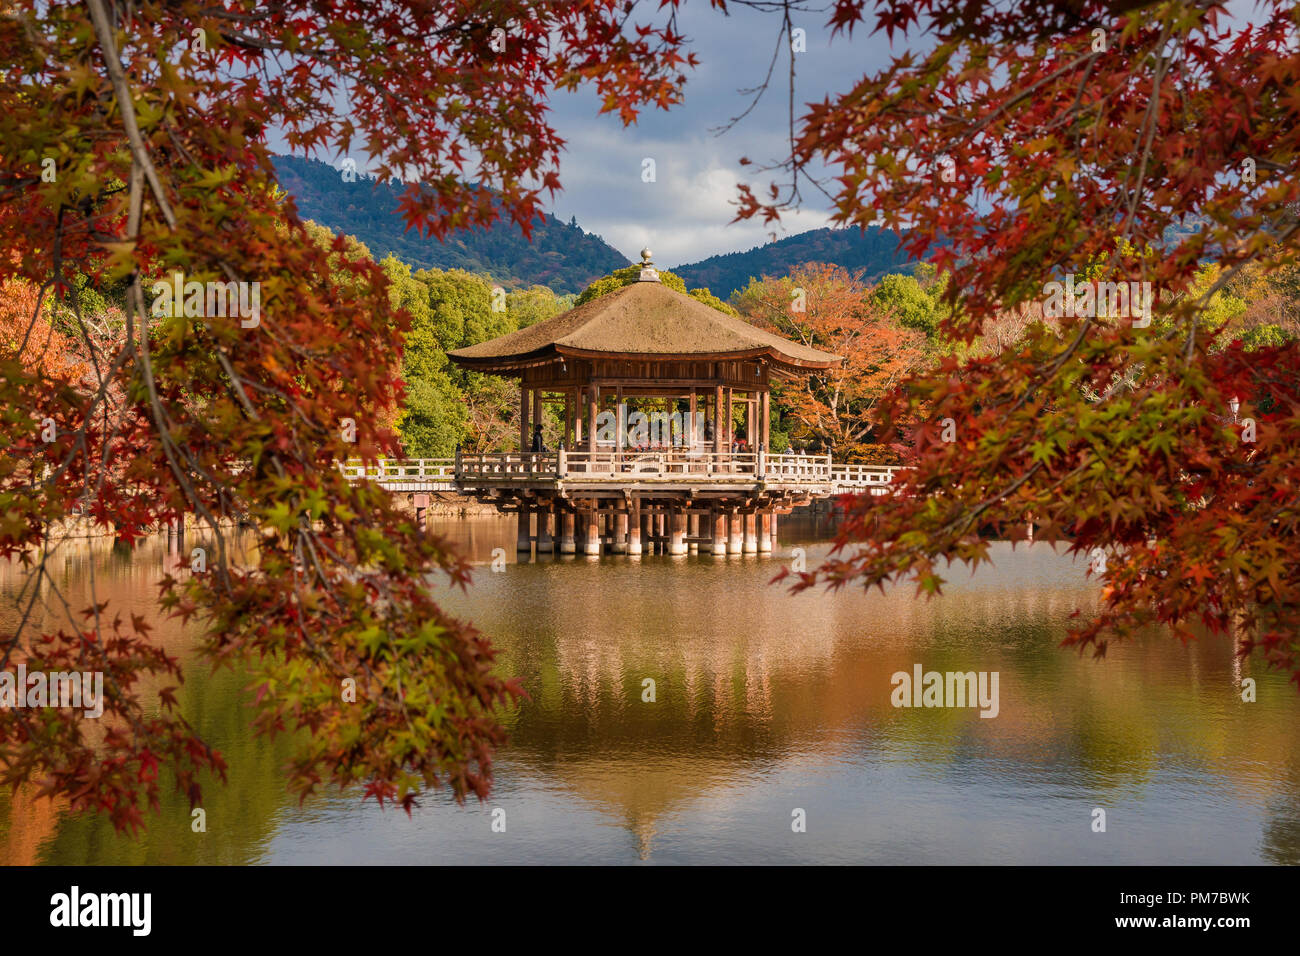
x=641, y=320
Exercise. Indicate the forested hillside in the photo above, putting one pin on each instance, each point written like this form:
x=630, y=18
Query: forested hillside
x=561, y=256
x=875, y=252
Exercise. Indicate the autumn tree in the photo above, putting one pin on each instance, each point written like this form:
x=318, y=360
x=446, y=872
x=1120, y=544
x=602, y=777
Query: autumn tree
x=1018, y=146
x=133, y=139
x=826, y=307
x=1271, y=305
x=28, y=337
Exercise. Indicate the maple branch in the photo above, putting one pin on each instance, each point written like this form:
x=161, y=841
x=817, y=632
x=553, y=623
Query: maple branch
x=105, y=34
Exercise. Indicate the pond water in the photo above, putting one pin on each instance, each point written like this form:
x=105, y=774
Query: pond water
x=769, y=709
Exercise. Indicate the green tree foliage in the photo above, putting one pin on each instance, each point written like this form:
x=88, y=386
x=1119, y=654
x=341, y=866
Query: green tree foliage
x=1222, y=309
x=711, y=300
x=909, y=302
x=529, y=306
x=434, y=419
x=445, y=406
x=1271, y=306
x=1265, y=336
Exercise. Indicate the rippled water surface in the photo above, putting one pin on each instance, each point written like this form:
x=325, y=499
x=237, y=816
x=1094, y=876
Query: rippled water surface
x=765, y=703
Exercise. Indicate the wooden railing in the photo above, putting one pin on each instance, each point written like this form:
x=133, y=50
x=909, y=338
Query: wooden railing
x=659, y=463
x=444, y=473
x=797, y=468
x=871, y=477
x=510, y=464
x=664, y=463
x=406, y=471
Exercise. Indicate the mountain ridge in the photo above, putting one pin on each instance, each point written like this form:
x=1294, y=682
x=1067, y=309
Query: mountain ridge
x=562, y=256
x=875, y=251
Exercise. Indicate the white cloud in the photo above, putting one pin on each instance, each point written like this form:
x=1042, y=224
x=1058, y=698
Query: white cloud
x=684, y=215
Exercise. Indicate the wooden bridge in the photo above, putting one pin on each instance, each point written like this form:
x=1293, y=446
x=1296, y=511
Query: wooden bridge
x=465, y=474
x=673, y=500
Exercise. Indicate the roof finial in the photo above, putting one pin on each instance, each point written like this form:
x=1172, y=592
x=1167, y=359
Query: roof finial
x=648, y=272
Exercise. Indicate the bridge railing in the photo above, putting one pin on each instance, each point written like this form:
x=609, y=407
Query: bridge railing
x=397, y=471
x=669, y=463
x=797, y=467
x=659, y=463
x=509, y=464
x=860, y=475
x=615, y=465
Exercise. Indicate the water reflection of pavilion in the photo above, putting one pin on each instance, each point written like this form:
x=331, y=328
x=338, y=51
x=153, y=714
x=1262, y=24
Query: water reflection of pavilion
x=753, y=682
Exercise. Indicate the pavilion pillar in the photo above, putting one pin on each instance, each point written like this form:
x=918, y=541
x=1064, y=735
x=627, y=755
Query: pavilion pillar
x=730, y=445
x=593, y=399
x=545, y=543
x=523, y=417
x=774, y=544
x=633, y=519
x=735, y=541
x=678, y=543
x=566, y=532
x=620, y=420
x=717, y=419
x=767, y=423
x=719, y=521
x=751, y=533
x=693, y=531
x=765, y=532
x=619, y=544
x=593, y=530
x=537, y=412
x=524, y=541
x=568, y=420
x=689, y=437
x=577, y=419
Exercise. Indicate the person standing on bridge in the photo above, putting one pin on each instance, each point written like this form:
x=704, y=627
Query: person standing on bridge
x=538, y=445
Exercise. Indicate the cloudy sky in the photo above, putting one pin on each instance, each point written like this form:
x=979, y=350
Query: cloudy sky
x=683, y=216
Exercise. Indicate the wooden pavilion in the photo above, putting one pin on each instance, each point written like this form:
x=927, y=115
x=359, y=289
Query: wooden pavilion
x=647, y=382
